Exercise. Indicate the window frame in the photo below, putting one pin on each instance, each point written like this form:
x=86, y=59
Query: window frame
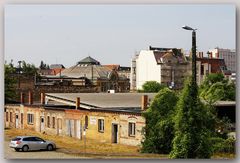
x=101, y=125
x=7, y=117
x=30, y=118
x=131, y=129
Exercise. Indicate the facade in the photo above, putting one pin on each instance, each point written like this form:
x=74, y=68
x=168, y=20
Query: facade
x=207, y=65
x=103, y=117
x=228, y=55
x=121, y=70
x=167, y=66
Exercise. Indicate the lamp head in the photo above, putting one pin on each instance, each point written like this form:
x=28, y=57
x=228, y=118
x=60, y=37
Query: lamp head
x=188, y=28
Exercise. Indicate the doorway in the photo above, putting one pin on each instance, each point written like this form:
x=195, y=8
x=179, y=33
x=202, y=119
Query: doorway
x=114, y=133
x=42, y=124
x=16, y=120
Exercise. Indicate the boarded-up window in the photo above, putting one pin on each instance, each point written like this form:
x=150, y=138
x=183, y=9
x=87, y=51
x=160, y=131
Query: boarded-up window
x=48, y=121
x=6, y=116
x=53, y=122
x=101, y=125
x=131, y=129
x=30, y=119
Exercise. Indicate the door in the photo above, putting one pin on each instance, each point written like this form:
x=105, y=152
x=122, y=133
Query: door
x=59, y=126
x=16, y=121
x=42, y=124
x=78, y=127
x=114, y=133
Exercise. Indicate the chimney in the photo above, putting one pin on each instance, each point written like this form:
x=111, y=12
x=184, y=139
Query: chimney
x=22, y=98
x=144, y=102
x=30, y=98
x=43, y=98
x=77, y=102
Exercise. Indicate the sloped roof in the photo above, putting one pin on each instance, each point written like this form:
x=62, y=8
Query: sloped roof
x=172, y=56
x=89, y=60
x=90, y=71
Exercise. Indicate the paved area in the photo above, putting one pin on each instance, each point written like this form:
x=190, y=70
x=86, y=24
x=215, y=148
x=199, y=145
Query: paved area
x=10, y=153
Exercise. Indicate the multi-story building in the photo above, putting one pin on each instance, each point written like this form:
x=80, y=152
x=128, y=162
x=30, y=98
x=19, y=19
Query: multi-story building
x=228, y=55
x=167, y=66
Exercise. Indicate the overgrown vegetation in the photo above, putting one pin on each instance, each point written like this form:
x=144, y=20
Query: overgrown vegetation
x=159, y=123
x=193, y=126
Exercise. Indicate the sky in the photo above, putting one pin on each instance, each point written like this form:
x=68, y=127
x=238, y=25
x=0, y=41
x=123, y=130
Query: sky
x=111, y=34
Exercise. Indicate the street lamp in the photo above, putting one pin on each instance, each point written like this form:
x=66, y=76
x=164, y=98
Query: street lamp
x=194, y=79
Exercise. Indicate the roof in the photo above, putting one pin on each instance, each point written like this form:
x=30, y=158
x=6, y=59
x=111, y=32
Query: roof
x=89, y=71
x=102, y=101
x=112, y=67
x=56, y=66
x=89, y=60
x=170, y=56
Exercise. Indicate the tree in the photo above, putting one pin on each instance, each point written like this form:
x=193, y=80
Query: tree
x=152, y=86
x=159, y=130
x=43, y=66
x=215, y=87
x=9, y=82
x=29, y=69
x=193, y=126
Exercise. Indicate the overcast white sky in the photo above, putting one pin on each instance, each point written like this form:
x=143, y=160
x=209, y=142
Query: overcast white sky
x=111, y=34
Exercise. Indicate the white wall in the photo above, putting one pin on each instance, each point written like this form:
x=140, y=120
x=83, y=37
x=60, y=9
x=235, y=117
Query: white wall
x=147, y=68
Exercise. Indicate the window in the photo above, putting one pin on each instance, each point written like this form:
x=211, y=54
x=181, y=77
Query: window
x=60, y=123
x=7, y=116
x=10, y=116
x=48, y=121
x=30, y=118
x=131, y=129
x=53, y=122
x=101, y=125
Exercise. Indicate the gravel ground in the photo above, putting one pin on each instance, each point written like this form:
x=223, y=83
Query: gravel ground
x=10, y=153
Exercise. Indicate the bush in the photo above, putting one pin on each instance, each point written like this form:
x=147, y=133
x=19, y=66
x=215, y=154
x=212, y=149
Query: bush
x=221, y=145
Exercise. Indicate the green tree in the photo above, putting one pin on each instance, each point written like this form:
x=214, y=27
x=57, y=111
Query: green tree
x=28, y=69
x=193, y=126
x=152, y=86
x=159, y=130
x=215, y=87
x=9, y=82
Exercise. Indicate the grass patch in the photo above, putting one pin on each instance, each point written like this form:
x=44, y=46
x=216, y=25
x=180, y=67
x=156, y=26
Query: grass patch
x=93, y=148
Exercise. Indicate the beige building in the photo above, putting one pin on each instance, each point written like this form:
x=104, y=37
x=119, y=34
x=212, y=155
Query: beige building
x=104, y=117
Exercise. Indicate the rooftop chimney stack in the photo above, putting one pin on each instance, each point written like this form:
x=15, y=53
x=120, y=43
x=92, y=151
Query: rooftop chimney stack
x=77, y=102
x=43, y=98
x=144, y=102
x=22, y=98
x=30, y=98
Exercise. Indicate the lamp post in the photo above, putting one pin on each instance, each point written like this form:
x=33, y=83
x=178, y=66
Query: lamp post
x=194, y=49
x=208, y=53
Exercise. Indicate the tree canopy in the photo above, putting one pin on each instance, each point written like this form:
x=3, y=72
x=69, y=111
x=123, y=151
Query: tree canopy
x=152, y=86
x=159, y=130
x=215, y=87
x=9, y=82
